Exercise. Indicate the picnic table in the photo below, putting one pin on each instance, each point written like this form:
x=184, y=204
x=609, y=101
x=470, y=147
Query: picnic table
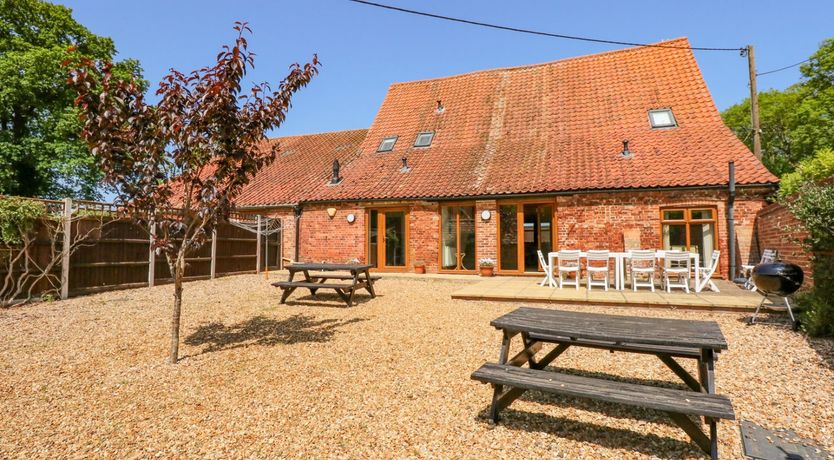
x=316, y=276
x=668, y=339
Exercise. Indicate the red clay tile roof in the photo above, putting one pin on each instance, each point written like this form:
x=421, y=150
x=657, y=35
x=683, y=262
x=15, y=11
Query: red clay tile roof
x=303, y=164
x=557, y=126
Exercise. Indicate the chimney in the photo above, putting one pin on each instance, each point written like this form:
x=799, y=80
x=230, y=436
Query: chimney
x=405, y=167
x=336, y=178
x=626, y=153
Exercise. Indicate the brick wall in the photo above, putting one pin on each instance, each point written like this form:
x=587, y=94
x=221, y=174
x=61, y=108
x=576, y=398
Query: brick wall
x=779, y=229
x=599, y=220
x=587, y=221
x=486, y=231
x=332, y=239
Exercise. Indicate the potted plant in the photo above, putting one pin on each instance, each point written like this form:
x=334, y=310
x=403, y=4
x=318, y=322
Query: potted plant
x=487, y=267
x=420, y=267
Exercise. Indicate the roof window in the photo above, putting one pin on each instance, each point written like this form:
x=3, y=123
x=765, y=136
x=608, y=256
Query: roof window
x=424, y=139
x=387, y=144
x=662, y=118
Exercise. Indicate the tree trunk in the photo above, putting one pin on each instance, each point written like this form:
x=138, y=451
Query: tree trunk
x=179, y=269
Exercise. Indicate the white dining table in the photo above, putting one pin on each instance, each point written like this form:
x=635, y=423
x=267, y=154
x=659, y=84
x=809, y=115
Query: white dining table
x=619, y=266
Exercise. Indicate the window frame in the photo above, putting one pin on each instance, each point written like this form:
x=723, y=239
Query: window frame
x=687, y=220
x=386, y=139
x=423, y=133
x=671, y=116
x=455, y=204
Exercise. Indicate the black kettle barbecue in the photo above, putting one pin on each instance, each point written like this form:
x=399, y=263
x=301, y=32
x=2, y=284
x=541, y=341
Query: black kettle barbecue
x=779, y=279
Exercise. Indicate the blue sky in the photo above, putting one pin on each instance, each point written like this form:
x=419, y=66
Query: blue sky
x=365, y=49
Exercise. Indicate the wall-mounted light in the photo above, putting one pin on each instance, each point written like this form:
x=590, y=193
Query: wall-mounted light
x=485, y=214
x=331, y=212
x=351, y=218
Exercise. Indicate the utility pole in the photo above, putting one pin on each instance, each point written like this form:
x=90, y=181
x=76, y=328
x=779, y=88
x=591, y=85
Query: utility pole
x=754, y=103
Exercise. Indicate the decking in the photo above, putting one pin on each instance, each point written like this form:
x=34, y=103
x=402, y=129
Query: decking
x=527, y=289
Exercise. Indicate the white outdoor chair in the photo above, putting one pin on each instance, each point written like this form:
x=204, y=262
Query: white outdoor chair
x=768, y=256
x=598, y=262
x=568, y=262
x=706, y=272
x=676, y=264
x=548, y=270
x=643, y=262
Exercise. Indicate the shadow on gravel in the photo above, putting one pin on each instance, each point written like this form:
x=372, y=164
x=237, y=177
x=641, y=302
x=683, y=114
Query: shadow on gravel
x=614, y=438
x=265, y=331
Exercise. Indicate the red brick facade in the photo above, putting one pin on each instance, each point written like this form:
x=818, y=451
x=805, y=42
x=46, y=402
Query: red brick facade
x=779, y=229
x=586, y=221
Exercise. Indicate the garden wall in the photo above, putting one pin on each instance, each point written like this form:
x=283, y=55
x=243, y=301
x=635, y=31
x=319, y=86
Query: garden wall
x=778, y=229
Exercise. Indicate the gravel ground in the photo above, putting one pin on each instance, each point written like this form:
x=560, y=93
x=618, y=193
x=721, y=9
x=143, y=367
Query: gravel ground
x=386, y=379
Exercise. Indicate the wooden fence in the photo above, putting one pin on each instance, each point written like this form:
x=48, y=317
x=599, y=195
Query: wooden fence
x=116, y=254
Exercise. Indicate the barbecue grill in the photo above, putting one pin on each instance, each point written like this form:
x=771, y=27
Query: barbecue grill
x=778, y=279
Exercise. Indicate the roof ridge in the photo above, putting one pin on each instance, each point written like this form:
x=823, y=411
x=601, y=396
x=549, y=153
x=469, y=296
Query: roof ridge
x=317, y=134
x=558, y=61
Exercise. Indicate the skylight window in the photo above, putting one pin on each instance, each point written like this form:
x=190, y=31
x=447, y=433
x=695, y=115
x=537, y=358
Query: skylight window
x=662, y=118
x=424, y=139
x=387, y=144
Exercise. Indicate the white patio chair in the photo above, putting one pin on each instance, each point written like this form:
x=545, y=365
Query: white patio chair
x=768, y=256
x=598, y=262
x=643, y=262
x=676, y=264
x=568, y=262
x=706, y=272
x=548, y=270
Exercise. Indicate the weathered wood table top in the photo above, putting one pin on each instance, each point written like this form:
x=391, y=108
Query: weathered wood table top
x=614, y=328
x=328, y=267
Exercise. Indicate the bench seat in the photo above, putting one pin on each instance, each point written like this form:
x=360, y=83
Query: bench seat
x=311, y=285
x=665, y=399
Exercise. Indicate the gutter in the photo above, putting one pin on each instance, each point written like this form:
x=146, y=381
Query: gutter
x=498, y=196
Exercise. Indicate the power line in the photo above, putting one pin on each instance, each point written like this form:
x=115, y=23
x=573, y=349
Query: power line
x=782, y=68
x=535, y=32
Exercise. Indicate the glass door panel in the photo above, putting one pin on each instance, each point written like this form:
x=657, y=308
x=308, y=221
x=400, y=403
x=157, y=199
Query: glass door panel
x=466, y=225
x=394, y=238
x=701, y=239
x=373, y=237
x=508, y=236
x=538, y=234
x=448, y=238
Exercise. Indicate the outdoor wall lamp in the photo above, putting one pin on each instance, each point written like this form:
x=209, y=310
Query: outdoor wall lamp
x=485, y=214
x=331, y=212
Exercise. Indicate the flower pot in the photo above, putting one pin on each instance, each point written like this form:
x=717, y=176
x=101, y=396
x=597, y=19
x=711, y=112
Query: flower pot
x=420, y=269
x=487, y=271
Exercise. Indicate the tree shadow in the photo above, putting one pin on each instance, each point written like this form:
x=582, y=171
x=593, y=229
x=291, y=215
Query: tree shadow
x=824, y=346
x=600, y=435
x=265, y=331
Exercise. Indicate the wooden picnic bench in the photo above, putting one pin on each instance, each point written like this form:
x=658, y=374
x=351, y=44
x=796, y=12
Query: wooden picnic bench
x=666, y=338
x=317, y=275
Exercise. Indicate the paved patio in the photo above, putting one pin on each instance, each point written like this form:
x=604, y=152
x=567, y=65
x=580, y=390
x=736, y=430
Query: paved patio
x=731, y=297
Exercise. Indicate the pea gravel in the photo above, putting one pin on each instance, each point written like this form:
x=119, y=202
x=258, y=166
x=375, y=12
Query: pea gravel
x=389, y=378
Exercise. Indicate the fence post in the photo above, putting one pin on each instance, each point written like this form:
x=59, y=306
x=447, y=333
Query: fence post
x=213, y=253
x=67, y=246
x=258, y=248
x=152, y=256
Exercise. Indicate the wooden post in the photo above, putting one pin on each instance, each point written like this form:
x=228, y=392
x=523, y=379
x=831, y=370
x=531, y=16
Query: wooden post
x=67, y=246
x=152, y=257
x=258, y=248
x=213, y=253
x=754, y=103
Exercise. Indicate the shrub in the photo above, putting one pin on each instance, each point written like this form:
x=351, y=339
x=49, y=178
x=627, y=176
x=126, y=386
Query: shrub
x=17, y=218
x=813, y=205
x=813, y=169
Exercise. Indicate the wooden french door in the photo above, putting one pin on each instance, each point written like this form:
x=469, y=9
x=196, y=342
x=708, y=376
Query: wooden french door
x=387, y=238
x=523, y=229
